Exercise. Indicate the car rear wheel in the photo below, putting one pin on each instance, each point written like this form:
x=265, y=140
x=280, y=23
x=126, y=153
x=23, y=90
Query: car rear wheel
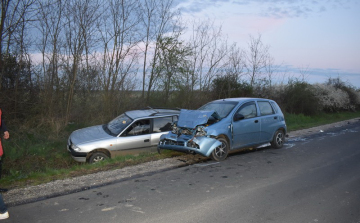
x=278, y=140
x=98, y=157
x=220, y=153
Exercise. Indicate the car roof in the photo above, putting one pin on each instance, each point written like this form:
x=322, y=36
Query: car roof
x=241, y=99
x=134, y=114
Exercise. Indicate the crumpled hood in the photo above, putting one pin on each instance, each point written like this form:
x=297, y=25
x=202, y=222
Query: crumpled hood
x=193, y=118
x=93, y=133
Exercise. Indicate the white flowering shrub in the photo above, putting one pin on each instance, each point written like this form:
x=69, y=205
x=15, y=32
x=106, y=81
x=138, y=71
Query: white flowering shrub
x=354, y=96
x=332, y=99
x=299, y=97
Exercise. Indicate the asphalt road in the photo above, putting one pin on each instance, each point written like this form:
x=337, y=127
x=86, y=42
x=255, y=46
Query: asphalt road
x=312, y=179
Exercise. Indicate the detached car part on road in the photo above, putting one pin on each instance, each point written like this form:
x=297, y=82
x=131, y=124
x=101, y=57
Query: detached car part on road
x=223, y=125
x=130, y=133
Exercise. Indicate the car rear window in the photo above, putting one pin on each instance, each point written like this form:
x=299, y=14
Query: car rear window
x=275, y=107
x=265, y=108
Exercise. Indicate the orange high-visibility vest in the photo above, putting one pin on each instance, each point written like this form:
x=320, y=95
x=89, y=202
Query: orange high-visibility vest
x=1, y=149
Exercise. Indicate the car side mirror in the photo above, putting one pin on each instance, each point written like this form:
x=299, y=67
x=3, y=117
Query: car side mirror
x=238, y=117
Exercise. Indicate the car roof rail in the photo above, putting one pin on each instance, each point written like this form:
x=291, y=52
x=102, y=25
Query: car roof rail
x=157, y=112
x=154, y=108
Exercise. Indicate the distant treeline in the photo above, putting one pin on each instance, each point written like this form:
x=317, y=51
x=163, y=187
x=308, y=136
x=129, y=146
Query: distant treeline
x=83, y=61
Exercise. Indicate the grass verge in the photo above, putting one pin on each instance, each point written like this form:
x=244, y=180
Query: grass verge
x=296, y=122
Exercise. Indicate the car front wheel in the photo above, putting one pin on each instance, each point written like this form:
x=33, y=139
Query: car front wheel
x=220, y=153
x=278, y=140
x=98, y=157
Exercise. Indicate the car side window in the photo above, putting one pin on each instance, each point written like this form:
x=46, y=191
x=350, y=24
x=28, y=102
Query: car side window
x=265, y=108
x=248, y=110
x=275, y=107
x=140, y=127
x=162, y=124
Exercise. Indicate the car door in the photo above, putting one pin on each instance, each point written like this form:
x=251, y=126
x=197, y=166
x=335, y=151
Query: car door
x=134, y=139
x=246, y=131
x=268, y=121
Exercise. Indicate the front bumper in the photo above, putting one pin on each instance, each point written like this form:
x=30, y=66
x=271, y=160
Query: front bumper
x=185, y=143
x=77, y=156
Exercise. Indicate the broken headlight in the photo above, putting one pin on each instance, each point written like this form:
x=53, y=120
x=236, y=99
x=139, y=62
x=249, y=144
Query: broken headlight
x=200, y=131
x=193, y=145
x=174, y=129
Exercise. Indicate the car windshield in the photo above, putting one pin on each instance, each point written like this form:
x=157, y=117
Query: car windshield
x=223, y=108
x=118, y=124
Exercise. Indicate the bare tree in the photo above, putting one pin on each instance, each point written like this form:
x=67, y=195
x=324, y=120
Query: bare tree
x=50, y=42
x=148, y=14
x=256, y=58
x=235, y=62
x=209, y=51
x=13, y=17
x=270, y=69
x=80, y=20
x=158, y=20
x=120, y=55
x=172, y=65
x=304, y=73
x=15, y=64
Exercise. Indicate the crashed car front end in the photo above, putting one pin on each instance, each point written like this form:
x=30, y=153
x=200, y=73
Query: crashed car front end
x=189, y=134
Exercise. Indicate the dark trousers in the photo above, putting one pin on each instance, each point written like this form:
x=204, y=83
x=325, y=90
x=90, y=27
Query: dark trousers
x=0, y=167
x=3, y=208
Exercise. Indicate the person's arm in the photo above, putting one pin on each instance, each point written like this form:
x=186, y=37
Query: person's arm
x=4, y=128
x=6, y=135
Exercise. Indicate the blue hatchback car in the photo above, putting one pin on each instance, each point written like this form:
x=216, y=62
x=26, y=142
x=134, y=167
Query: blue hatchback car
x=227, y=124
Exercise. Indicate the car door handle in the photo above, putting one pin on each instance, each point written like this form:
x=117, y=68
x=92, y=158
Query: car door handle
x=256, y=121
x=147, y=140
x=275, y=117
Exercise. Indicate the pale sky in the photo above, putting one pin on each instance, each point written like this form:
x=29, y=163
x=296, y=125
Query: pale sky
x=321, y=37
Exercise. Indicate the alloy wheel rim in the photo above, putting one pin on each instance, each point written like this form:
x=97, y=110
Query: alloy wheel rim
x=220, y=150
x=279, y=138
x=98, y=158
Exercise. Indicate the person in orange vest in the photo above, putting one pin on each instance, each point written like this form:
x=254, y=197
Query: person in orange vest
x=4, y=214
x=6, y=136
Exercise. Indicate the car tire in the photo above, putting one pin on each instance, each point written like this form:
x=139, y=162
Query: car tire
x=221, y=152
x=278, y=140
x=98, y=157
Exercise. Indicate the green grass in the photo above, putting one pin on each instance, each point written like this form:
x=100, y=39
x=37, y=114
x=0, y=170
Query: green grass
x=35, y=161
x=296, y=122
x=34, y=156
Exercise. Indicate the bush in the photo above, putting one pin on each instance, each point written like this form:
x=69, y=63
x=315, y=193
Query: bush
x=262, y=88
x=228, y=87
x=299, y=98
x=331, y=99
x=352, y=93
x=278, y=94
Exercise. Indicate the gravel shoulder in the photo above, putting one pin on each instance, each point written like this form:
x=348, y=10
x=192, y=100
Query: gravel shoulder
x=29, y=194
